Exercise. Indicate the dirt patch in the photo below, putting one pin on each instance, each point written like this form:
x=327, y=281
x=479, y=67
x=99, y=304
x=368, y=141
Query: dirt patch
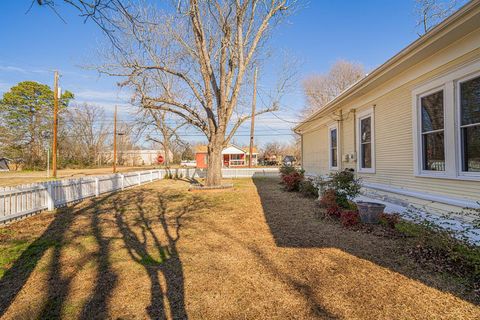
x=254, y=252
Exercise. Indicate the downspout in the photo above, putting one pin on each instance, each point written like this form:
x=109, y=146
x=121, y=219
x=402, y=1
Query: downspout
x=301, y=150
x=355, y=137
x=340, y=142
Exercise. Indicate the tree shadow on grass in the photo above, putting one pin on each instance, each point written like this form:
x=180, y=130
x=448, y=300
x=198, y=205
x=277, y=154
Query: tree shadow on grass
x=294, y=223
x=302, y=288
x=156, y=251
x=54, y=237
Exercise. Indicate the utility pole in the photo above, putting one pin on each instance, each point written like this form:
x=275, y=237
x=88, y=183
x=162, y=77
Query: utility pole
x=252, y=126
x=115, y=141
x=55, y=123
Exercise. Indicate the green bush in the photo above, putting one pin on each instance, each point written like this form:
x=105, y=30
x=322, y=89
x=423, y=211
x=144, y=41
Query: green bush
x=346, y=187
x=286, y=170
x=307, y=188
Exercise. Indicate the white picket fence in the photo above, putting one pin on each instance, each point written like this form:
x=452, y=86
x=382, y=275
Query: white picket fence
x=18, y=201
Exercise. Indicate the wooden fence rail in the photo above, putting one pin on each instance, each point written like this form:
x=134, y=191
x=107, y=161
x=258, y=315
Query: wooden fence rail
x=19, y=201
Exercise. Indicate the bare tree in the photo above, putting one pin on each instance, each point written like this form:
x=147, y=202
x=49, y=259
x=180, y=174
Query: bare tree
x=432, y=12
x=163, y=129
x=85, y=133
x=195, y=60
x=319, y=89
x=206, y=47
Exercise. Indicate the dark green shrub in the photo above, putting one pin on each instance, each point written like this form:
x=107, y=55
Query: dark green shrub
x=286, y=170
x=307, y=188
x=346, y=187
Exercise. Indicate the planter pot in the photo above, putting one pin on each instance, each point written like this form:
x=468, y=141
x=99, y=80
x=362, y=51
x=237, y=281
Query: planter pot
x=370, y=212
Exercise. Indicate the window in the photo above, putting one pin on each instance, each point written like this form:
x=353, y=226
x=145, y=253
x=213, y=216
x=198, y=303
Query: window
x=433, y=135
x=333, y=148
x=366, y=148
x=446, y=125
x=470, y=124
x=366, y=143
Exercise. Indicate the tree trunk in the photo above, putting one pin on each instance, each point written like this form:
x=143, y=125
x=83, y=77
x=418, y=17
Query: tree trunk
x=166, y=149
x=214, y=169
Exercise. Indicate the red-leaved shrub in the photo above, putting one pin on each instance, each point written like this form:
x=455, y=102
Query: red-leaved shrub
x=334, y=211
x=329, y=199
x=349, y=218
x=292, y=181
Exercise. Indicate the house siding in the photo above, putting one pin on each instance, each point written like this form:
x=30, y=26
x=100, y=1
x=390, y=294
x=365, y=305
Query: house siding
x=393, y=114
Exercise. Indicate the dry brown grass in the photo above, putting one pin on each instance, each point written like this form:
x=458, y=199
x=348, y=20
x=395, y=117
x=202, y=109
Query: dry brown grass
x=254, y=252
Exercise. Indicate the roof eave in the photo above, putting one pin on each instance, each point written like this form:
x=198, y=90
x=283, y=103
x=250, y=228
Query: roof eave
x=392, y=62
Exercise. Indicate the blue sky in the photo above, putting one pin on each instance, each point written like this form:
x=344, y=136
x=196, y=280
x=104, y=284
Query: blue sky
x=368, y=32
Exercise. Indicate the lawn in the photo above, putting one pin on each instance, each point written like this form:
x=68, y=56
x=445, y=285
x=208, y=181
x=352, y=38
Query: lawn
x=13, y=178
x=254, y=252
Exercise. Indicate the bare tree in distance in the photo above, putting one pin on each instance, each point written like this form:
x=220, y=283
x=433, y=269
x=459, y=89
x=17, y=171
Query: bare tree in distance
x=319, y=89
x=85, y=133
x=431, y=12
x=163, y=129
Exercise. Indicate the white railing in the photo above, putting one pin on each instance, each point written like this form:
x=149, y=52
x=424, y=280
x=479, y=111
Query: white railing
x=249, y=172
x=18, y=201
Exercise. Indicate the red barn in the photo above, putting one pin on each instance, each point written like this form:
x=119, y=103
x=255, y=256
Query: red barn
x=233, y=157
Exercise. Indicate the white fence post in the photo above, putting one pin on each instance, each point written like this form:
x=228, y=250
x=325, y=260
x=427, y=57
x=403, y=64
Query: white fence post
x=97, y=187
x=151, y=175
x=139, y=178
x=50, y=202
x=122, y=184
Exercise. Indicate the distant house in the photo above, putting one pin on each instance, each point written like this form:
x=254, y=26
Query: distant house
x=4, y=164
x=140, y=157
x=233, y=156
x=411, y=128
x=289, y=160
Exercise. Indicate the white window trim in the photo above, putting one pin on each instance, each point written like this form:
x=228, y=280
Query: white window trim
x=330, y=129
x=419, y=156
x=360, y=116
x=459, y=160
x=451, y=106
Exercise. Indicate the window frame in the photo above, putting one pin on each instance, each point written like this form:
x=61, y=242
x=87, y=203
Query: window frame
x=369, y=113
x=420, y=133
x=330, y=129
x=458, y=128
x=449, y=81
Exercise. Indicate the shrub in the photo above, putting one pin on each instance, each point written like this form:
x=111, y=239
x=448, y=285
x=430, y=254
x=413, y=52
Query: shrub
x=292, y=181
x=389, y=220
x=308, y=189
x=287, y=170
x=349, y=218
x=334, y=211
x=329, y=199
x=346, y=187
x=352, y=206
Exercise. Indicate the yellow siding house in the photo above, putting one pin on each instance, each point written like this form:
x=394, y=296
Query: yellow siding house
x=411, y=128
